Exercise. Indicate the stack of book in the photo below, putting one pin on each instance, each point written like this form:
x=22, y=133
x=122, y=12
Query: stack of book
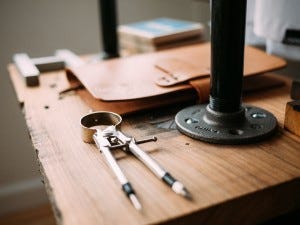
x=158, y=34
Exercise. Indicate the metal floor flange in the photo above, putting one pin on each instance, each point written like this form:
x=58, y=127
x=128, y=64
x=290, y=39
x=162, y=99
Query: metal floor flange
x=253, y=125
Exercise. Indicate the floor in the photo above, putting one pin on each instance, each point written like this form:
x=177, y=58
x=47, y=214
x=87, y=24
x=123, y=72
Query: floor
x=41, y=215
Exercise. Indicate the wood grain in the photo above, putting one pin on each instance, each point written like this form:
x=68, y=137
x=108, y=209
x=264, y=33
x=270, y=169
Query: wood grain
x=292, y=117
x=230, y=184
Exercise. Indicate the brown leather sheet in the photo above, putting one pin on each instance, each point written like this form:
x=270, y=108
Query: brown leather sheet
x=200, y=94
x=139, y=76
x=130, y=84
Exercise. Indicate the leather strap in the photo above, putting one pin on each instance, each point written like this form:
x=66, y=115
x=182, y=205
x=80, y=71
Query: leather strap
x=178, y=69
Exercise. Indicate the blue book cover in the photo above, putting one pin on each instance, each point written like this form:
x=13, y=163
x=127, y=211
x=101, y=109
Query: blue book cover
x=160, y=27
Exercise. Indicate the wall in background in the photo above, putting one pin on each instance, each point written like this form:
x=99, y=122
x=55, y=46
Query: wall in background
x=38, y=28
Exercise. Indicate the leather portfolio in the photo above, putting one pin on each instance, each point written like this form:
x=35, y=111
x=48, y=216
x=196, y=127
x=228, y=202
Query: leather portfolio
x=140, y=82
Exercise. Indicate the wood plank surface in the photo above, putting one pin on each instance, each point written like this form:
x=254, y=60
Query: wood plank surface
x=244, y=184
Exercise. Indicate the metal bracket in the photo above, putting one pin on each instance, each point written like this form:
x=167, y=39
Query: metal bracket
x=30, y=68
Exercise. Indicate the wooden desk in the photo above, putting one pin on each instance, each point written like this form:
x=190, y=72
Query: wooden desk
x=230, y=184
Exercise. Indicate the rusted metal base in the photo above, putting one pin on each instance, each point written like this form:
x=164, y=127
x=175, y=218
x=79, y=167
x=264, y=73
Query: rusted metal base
x=248, y=125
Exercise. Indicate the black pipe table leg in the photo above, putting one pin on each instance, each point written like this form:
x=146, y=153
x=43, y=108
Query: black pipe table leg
x=108, y=19
x=225, y=120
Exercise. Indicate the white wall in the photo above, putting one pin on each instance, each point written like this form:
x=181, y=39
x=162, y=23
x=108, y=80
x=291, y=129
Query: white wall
x=38, y=27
